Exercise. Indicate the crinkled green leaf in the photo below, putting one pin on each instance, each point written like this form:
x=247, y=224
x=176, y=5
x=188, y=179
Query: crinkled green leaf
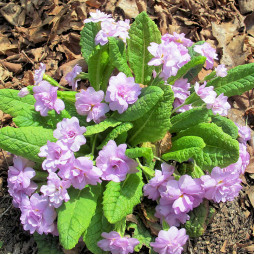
x=97, y=64
x=154, y=125
x=142, y=32
x=221, y=149
x=117, y=55
x=25, y=141
x=74, y=216
x=238, y=80
x=47, y=244
x=120, y=197
x=184, y=148
x=123, y=127
x=227, y=125
x=97, y=226
x=148, y=98
x=188, y=119
x=189, y=70
x=140, y=152
x=87, y=41
x=102, y=126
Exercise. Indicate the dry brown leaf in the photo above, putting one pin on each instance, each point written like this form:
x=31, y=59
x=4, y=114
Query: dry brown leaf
x=162, y=18
x=246, y=6
x=16, y=68
x=131, y=218
x=250, y=193
x=4, y=74
x=141, y=5
x=93, y=3
x=28, y=78
x=223, y=248
x=7, y=45
x=129, y=7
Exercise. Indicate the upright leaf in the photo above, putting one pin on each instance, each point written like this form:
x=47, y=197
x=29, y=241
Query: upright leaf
x=75, y=215
x=142, y=32
x=148, y=98
x=87, y=41
x=120, y=197
x=145, y=152
x=154, y=125
x=25, y=141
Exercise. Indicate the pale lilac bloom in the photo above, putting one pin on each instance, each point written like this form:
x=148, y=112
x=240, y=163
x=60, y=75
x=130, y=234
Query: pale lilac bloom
x=122, y=29
x=37, y=215
x=244, y=133
x=108, y=28
x=57, y=155
x=221, y=185
x=159, y=51
x=23, y=92
x=89, y=103
x=165, y=211
x=121, y=92
x=221, y=71
x=81, y=172
x=177, y=38
x=171, y=241
x=185, y=194
x=56, y=190
x=116, y=244
x=38, y=76
x=209, y=52
x=245, y=156
x=19, y=179
x=70, y=133
x=46, y=98
x=97, y=17
x=114, y=163
x=151, y=189
x=220, y=105
x=70, y=77
x=207, y=94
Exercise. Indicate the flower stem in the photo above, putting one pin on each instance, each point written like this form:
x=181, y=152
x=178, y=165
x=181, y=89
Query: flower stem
x=53, y=82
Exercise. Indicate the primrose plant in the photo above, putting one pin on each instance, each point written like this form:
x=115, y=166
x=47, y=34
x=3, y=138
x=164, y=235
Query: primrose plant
x=85, y=160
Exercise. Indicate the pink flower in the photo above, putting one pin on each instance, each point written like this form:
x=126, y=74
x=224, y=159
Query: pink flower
x=177, y=38
x=81, y=172
x=159, y=51
x=221, y=71
x=151, y=189
x=89, y=103
x=70, y=133
x=37, y=215
x=19, y=179
x=207, y=94
x=116, y=244
x=23, y=92
x=121, y=92
x=108, y=28
x=244, y=133
x=97, y=17
x=57, y=155
x=245, y=156
x=46, y=99
x=171, y=241
x=70, y=77
x=221, y=186
x=56, y=190
x=38, y=76
x=114, y=163
x=122, y=29
x=209, y=52
x=220, y=105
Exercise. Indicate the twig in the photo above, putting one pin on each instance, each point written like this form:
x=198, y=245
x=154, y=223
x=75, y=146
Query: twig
x=2, y=214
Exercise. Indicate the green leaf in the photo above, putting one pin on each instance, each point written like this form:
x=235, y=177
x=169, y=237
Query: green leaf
x=117, y=55
x=102, y=126
x=25, y=141
x=122, y=128
x=238, y=80
x=196, y=225
x=87, y=41
x=227, y=125
x=188, y=119
x=97, y=226
x=184, y=148
x=47, y=244
x=140, y=152
x=154, y=125
x=142, y=32
x=75, y=215
x=142, y=234
x=221, y=149
x=97, y=64
x=148, y=98
x=120, y=197
x=192, y=68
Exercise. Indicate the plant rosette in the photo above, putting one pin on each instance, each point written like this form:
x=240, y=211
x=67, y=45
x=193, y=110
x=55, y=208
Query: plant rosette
x=84, y=159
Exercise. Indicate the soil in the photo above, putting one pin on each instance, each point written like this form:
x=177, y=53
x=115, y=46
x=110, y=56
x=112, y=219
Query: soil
x=48, y=31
